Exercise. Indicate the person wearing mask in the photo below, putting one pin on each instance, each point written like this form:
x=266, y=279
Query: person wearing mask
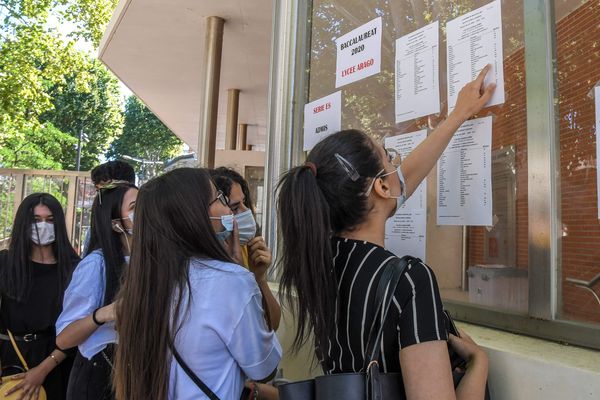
x=255, y=253
x=186, y=298
x=87, y=319
x=111, y=171
x=332, y=214
x=34, y=273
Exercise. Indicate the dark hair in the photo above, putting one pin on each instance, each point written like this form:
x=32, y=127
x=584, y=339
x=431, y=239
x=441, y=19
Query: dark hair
x=172, y=225
x=15, y=277
x=225, y=177
x=113, y=170
x=106, y=208
x=311, y=208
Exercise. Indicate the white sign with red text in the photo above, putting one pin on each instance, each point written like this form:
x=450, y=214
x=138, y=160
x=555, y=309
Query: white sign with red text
x=358, y=53
x=322, y=117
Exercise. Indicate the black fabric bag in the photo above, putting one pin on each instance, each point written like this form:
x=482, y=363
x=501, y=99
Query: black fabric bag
x=370, y=384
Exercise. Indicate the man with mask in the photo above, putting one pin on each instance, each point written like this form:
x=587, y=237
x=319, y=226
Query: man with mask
x=256, y=254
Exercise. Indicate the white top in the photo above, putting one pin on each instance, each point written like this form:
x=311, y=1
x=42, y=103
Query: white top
x=223, y=337
x=85, y=294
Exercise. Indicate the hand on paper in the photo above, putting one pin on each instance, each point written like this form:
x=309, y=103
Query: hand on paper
x=473, y=96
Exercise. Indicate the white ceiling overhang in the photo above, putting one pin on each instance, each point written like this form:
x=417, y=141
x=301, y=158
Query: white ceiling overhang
x=157, y=49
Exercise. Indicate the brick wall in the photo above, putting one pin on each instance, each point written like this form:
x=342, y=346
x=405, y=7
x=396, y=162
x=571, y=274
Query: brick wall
x=578, y=50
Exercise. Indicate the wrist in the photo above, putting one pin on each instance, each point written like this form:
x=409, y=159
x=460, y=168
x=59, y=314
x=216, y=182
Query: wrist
x=261, y=279
x=47, y=365
x=457, y=118
x=480, y=357
x=98, y=317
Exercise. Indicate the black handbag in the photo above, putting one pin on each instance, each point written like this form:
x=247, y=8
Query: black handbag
x=368, y=384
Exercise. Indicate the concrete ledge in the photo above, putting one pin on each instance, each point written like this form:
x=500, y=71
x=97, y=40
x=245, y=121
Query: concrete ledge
x=526, y=368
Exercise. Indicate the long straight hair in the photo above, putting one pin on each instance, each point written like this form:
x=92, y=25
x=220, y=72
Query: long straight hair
x=311, y=208
x=172, y=225
x=106, y=208
x=15, y=277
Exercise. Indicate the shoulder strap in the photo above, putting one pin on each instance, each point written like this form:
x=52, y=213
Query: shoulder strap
x=394, y=269
x=205, y=389
x=14, y=344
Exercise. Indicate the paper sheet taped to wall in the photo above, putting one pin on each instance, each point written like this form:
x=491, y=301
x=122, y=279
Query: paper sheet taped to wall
x=473, y=41
x=322, y=117
x=406, y=231
x=358, y=53
x=417, y=73
x=465, y=176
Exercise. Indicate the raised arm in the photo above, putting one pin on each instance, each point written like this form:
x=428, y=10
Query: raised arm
x=471, y=99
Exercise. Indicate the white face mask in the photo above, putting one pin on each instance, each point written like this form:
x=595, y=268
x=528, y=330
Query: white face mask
x=130, y=216
x=42, y=233
x=227, y=222
x=246, y=226
x=400, y=200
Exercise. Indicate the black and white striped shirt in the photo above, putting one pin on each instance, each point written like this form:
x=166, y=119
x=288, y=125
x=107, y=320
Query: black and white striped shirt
x=415, y=317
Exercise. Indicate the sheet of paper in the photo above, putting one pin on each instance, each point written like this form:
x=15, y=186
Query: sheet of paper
x=597, y=100
x=474, y=40
x=417, y=73
x=464, y=193
x=322, y=117
x=406, y=231
x=358, y=53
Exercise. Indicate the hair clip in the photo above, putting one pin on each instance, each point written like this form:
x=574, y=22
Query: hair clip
x=348, y=167
x=107, y=185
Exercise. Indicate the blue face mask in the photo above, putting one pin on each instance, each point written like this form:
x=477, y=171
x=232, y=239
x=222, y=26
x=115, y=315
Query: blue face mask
x=227, y=222
x=246, y=226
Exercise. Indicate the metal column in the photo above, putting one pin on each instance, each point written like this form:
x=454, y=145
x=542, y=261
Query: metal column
x=207, y=138
x=543, y=158
x=233, y=105
x=242, y=138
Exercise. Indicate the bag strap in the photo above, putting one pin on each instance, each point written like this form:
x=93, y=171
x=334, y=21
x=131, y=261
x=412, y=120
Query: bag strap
x=388, y=282
x=14, y=344
x=205, y=389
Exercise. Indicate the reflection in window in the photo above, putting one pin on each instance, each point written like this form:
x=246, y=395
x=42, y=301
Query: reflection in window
x=578, y=55
x=496, y=255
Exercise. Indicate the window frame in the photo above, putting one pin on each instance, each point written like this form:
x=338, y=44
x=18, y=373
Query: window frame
x=288, y=93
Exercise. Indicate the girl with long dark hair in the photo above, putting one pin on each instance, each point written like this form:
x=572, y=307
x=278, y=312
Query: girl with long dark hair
x=185, y=294
x=87, y=320
x=332, y=214
x=34, y=272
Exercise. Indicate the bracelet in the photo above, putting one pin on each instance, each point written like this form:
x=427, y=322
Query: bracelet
x=94, y=317
x=55, y=360
x=255, y=391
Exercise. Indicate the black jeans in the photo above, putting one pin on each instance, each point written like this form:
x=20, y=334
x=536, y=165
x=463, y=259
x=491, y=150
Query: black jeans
x=91, y=379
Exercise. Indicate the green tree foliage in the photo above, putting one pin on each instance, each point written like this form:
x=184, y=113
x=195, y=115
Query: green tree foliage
x=144, y=137
x=96, y=111
x=36, y=59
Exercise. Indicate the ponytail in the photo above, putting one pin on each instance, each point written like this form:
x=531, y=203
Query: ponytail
x=306, y=256
x=316, y=201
